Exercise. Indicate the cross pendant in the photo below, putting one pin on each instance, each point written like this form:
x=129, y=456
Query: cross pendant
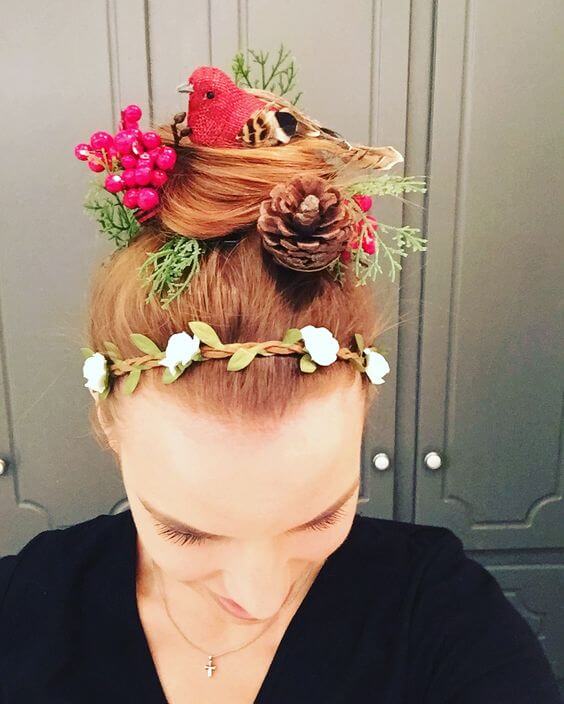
x=210, y=667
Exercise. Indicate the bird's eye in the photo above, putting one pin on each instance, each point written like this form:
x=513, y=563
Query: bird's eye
x=210, y=94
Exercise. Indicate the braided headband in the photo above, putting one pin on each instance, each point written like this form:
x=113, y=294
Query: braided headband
x=317, y=347
x=307, y=223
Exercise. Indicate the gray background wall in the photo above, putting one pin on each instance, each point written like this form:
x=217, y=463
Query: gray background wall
x=469, y=91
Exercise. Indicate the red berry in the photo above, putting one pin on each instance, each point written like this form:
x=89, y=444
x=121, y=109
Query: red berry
x=132, y=113
x=146, y=159
x=369, y=244
x=143, y=175
x=81, y=151
x=129, y=178
x=158, y=177
x=365, y=202
x=95, y=166
x=113, y=183
x=113, y=152
x=166, y=159
x=123, y=141
x=130, y=197
x=101, y=140
x=128, y=161
x=137, y=147
x=151, y=140
x=148, y=198
x=135, y=131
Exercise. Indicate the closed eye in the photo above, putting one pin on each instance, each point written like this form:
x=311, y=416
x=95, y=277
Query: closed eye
x=183, y=538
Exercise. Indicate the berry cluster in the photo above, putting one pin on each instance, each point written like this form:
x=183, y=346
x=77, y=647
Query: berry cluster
x=369, y=224
x=136, y=161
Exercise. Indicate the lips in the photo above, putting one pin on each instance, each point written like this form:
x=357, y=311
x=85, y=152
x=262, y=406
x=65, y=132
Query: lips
x=234, y=608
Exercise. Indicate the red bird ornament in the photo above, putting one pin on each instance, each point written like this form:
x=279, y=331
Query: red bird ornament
x=221, y=114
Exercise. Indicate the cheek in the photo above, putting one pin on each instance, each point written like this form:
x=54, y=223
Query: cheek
x=317, y=545
x=182, y=562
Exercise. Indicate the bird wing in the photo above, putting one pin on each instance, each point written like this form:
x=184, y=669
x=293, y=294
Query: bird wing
x=306, y=126
x=278, y=120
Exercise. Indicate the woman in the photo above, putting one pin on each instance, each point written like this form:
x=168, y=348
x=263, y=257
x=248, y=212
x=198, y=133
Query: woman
x=241, y=571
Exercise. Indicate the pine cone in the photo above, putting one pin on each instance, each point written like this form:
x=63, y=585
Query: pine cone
x=305, y=224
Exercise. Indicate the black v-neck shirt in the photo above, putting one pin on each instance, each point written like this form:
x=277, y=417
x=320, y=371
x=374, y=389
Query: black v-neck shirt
x=398, y=614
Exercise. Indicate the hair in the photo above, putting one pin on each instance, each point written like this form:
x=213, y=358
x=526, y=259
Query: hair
x=239, y=290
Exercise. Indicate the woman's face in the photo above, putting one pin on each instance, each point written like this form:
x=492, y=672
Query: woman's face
x=222, y=509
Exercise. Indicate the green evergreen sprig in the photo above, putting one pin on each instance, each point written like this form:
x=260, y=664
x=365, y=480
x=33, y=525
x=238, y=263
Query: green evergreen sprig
x=113, y=218
x=388, y=185
x=173, y=267
x=278, y=79
x=368, y=266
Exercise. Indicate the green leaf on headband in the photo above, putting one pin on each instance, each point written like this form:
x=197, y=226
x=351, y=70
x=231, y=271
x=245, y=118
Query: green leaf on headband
x=132, y=381
x=106, y=391
x=168, y=378
x=242, y=358
x=307, y=364
x=359, y=341
x=145, y=344
x=87, y=352
x=113, y=351
x=206, y=334
x=291, y=336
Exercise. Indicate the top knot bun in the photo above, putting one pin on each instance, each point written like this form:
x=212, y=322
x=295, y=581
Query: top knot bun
x=214, y=191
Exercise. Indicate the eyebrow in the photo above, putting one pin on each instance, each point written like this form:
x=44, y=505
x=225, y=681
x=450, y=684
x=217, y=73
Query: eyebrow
x=180, y=526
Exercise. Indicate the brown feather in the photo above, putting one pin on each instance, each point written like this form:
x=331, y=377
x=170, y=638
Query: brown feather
x=353, y=157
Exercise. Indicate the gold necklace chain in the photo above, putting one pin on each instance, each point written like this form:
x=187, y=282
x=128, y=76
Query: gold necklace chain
x=210, y=667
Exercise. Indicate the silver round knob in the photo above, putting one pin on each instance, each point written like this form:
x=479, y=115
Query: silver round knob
x=381, y=461
x=3, y=466
x=432, y=460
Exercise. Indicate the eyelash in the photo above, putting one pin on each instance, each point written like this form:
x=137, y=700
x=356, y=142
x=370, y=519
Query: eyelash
x=181, y=538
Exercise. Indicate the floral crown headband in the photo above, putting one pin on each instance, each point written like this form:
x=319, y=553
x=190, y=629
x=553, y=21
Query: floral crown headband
x=307, y=223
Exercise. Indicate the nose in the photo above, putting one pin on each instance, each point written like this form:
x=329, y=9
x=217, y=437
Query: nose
x=184, y=88
x=259, y=582
x=265, y=614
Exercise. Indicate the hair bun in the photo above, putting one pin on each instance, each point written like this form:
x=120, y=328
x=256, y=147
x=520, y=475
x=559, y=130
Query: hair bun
x=305, y=224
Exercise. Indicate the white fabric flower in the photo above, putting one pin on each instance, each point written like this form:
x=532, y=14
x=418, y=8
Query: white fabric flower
x=320, y=344
x=376, y=366
x=95, y=371
x=180, y=349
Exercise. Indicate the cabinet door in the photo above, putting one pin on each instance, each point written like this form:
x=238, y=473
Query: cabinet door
x=491, y=374
x=56, y=92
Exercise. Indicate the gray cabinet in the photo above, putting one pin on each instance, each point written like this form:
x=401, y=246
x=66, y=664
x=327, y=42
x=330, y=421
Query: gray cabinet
x=486, y=404
x=469, y=92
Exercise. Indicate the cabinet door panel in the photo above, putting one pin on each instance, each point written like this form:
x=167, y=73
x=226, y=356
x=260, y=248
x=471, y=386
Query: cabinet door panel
x=491, y=391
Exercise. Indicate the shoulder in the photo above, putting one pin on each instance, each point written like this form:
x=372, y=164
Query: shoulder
x=402, y=545
x=57, y=553
x=464, y=637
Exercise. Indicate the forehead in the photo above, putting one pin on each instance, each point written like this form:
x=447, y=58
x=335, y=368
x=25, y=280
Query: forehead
x=214, y=474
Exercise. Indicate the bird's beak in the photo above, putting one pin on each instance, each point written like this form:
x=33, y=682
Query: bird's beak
x=185, y=88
